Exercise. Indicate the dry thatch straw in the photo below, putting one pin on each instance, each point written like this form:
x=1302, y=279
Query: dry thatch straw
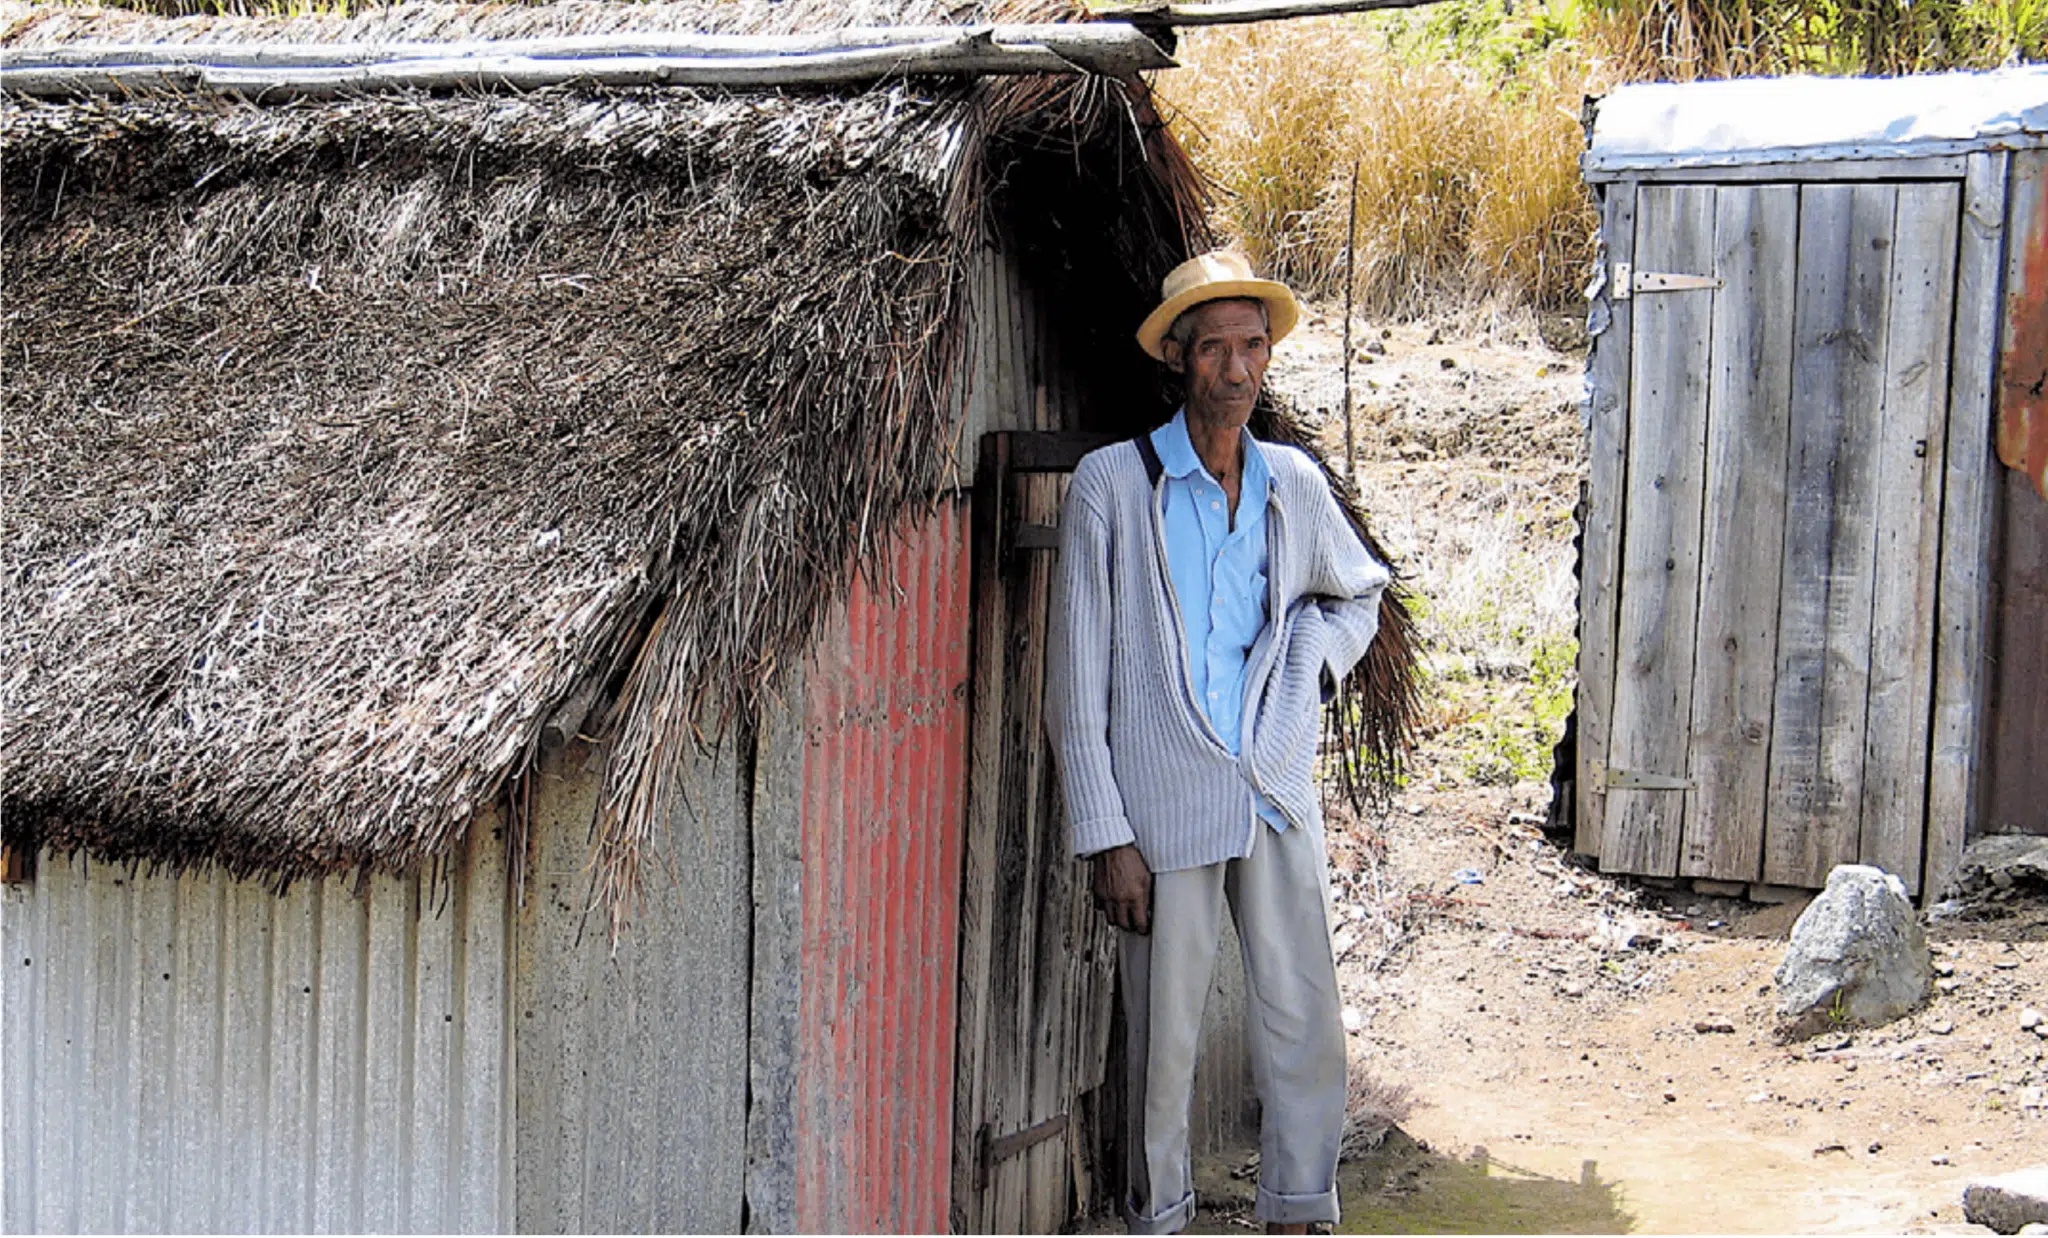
x=346, y=441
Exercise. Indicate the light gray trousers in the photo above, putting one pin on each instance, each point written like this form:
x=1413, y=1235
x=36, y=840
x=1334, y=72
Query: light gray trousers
x=1279, y=898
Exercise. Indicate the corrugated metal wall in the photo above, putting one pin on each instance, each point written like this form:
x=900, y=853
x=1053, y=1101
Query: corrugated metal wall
x=196, y=1053
x=883, y=805
x=632, y=1088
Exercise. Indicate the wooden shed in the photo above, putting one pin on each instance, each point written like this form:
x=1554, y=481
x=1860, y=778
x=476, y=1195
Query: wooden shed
x=524, y=616
x=1813, y=597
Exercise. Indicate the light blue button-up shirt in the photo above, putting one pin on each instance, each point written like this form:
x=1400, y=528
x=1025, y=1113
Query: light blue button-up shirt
x=1219, y=577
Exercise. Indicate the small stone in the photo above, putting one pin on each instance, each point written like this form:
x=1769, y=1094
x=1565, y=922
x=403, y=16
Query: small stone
x=1705, y=1028
x=1756, y=1098
x=1670, y=1097
x=1876, y=1148
x=1449, y=363
x=1942, y=967
x=1942, y=1028
x=1572, y=988
x=1948, y=986
x=1938, y=1160
x=2030, y=1019
x=1353, y=1020
x=2034, y=1227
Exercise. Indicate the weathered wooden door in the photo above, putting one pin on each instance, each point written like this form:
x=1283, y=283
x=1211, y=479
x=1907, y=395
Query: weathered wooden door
x=1033, y=1109
x=1774, y=605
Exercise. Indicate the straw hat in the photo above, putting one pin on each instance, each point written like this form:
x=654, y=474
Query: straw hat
x=1217, y=275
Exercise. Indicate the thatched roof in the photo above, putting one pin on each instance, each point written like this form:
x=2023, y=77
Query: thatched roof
x=346, y=441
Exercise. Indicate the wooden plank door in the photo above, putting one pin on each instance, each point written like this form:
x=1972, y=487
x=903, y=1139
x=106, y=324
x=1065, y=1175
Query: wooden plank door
x=1033, y=1110
x=1775, y=599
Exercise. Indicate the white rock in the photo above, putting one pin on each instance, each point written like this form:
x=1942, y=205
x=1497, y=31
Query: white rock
x=1353, y=1020
x=1857, y=955
x=2009, y=1201
x=2030, y=1019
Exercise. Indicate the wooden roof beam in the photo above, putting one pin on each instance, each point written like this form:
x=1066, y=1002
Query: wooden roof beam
x=313, y=70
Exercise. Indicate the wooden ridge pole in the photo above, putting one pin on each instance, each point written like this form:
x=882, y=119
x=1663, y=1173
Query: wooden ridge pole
x=287, y=71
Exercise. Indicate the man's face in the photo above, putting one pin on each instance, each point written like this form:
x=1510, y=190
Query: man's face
x=1224, y=361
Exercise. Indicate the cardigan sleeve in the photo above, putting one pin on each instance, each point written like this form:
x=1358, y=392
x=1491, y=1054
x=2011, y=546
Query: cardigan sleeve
x=1078, y=674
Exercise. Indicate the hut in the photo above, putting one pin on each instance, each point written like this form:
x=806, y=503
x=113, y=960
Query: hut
x=1813, y=597
x=524, y=621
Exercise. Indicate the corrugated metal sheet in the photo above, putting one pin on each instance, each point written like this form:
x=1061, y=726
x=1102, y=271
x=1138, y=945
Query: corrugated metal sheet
x=1797, y=119
x=2023, y=367
x=194, y=1053
x=632, y=1086
x=884, y=791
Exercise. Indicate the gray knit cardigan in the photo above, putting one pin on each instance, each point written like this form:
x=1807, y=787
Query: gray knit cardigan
x=1139, y=762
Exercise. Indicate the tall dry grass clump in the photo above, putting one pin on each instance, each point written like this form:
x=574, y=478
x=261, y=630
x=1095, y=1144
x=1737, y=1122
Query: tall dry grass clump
x=1685, y=40
x=1468, y=180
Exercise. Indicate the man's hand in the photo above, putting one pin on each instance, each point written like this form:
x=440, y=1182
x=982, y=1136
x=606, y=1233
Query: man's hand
x=1123, y=888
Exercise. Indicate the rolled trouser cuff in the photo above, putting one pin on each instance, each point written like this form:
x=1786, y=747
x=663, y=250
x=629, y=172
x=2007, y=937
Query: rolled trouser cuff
x=1305, y=1209
x=1168, y=1220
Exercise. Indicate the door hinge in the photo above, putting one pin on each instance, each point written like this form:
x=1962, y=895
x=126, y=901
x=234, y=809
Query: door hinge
x=1628, y=281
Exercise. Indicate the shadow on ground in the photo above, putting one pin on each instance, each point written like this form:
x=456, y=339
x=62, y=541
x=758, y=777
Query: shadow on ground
x=1406, y=1187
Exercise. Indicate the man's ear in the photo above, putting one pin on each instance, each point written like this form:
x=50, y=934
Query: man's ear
x=1169, y=352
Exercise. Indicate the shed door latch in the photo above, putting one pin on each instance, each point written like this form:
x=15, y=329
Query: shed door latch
x=1628, y=281
x=996, y=1147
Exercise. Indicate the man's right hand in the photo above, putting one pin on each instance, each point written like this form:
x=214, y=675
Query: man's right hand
x=1123, y=888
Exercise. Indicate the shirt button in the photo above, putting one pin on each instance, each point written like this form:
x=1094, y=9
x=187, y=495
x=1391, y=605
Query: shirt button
x=1215, y=506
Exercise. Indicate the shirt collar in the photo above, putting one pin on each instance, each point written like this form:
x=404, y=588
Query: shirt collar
x=1177, y=454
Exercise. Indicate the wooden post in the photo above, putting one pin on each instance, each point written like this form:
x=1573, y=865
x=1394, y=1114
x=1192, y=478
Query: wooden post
x=1350, y=288
x=1967, y=519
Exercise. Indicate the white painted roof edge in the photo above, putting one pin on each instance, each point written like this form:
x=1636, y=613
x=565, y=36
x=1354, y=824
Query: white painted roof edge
x=1812, y=119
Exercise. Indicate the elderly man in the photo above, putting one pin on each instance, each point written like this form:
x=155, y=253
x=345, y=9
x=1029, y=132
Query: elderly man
x=1210, y=596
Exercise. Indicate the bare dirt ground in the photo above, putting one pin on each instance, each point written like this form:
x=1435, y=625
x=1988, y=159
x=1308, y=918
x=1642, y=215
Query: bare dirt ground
x=1588, y=1054
x=1610, y=1048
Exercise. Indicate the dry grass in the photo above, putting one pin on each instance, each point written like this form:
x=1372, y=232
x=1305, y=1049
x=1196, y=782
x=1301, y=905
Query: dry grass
x=1372, y=1108
x=1684, y=40
x=1468, y=184
x=1492, y=559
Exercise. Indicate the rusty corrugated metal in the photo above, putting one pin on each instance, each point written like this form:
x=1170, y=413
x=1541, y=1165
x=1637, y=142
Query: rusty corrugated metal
x=883, y=812
x=190, y=1053
x=2023, y=365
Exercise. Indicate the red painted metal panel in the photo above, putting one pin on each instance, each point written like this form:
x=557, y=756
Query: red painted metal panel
x=884, y=814
x=2023, y=380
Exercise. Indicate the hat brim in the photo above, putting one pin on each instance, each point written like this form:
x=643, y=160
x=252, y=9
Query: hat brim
x=1282, y=310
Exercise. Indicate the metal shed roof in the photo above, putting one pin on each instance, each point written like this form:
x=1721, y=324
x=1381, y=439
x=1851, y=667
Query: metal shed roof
x=1811, y=119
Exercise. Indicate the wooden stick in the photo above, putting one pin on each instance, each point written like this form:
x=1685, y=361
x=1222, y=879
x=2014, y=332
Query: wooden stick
x=1083, y=43
x=1238, y=12
x=1350, y=286
x=962, y=51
